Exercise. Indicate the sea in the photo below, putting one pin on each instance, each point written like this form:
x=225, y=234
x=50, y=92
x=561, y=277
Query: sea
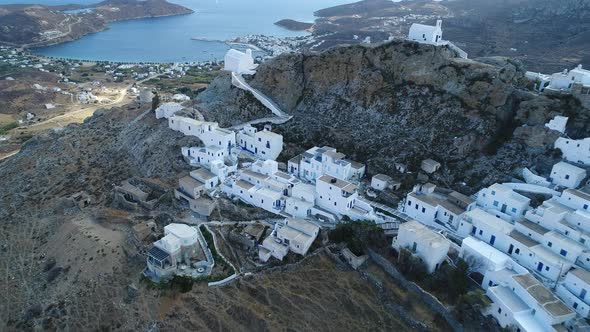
x=170, y=39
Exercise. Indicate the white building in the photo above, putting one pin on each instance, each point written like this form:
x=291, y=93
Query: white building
x=177, y=247
x=426, y=33
x=574, y=291
x=567, y=175
x=239, y=62
x=208, y=132
x=430, y=166
x=558, y=123
x=209, y=179
x=436, y=209
x=519, y=300
x=380, y=182
x=503, y=202
x=575, y=199
x=316, y=162
x=565, y=79
x=295, y=234
x=341, y=198
x=167, y=110
x=431, y=247
x=264, y=144
x=577, y=151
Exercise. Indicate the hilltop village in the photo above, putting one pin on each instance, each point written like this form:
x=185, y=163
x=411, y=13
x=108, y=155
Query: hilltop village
x=526, y=242
x=515, y=253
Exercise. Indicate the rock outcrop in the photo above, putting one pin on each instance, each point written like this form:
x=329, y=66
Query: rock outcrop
x=404, y=102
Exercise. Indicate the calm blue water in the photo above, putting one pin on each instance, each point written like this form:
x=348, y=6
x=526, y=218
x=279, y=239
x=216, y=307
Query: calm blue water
x=168, y=39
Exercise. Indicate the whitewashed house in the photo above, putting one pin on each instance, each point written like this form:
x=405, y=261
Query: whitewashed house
x=317, y=161
x=209, y=179
x=166, y=110
x=430, y=246
x=380, y=182
x=567, y=175
x=208, y=132
x=295, y=234
x=575, y=199
x=430, y=166
x=519, y=300
x=566, y=79
x=239, y=62
x=577, y=151
x=301, y=202
x=176, y=248
x=426, y=33
x=558, y=123
x=503, y=202
x=264, y=144
x=573, y=290
x=436, y=209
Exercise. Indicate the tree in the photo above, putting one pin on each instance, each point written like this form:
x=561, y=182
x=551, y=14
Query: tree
x=155, y=101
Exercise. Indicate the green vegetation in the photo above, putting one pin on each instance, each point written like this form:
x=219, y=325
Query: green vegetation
x=359, y=235
x=4, y=129
x=219, y=261
x=155, y=101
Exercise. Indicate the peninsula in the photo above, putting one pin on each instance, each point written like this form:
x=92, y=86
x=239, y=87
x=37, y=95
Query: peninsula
x=38, y=25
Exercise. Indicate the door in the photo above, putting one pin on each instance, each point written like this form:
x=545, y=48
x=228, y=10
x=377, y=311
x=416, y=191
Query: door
x=503, y=208
x=492, y=240
x=582, y=294
x=510, y=249
x=540, y=267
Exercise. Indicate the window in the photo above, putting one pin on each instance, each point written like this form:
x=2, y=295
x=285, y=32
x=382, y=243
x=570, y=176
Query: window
x=567, y=177
x=499, y=310
x=480, y=232
x=549, y=244
x=493, y=192
x=423, y=210
x=546, y=268
x=490, y=283
x=517, y=251
x=496, y=203
x=582, y=240
x=563, y=253
x=513, y=210
x=585, y=206
x=575, y=305
x=416, y=206
x=409, y=203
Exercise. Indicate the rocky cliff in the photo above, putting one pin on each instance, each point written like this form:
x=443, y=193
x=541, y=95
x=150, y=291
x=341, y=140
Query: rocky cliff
x=404, y=102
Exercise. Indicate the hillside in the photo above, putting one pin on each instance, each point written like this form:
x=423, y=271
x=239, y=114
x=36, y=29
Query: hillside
x=405, y=102
x=545, y=35
x=38, y=25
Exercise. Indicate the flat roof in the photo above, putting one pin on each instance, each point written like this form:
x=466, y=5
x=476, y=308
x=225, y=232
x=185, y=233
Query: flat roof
x=254, y=174
x=296, y=159
x=452, y=207
x=542, y=295
x=382, y=177
x=490, y=220
x=487, y=252
x=568, y=167
x=582, y=274
x=203, y=174
x=294, y=234
x=461, y=198
x=534, y=227
x=425, y=234
x=578, y=193
x=334, y=181
x=355, y=164
x=560, y=237
x=243, y=184
x=428, y=199
x=283, y=175
x=304, y=226
x=335, y=155
x=191, y=182
x=509, y=298
x=269, y=193
x=527, y=241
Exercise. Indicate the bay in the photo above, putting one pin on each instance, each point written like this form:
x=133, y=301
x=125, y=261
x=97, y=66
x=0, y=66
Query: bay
x=168, y=39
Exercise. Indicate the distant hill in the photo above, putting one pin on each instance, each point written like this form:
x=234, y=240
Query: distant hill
x=38, y=25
